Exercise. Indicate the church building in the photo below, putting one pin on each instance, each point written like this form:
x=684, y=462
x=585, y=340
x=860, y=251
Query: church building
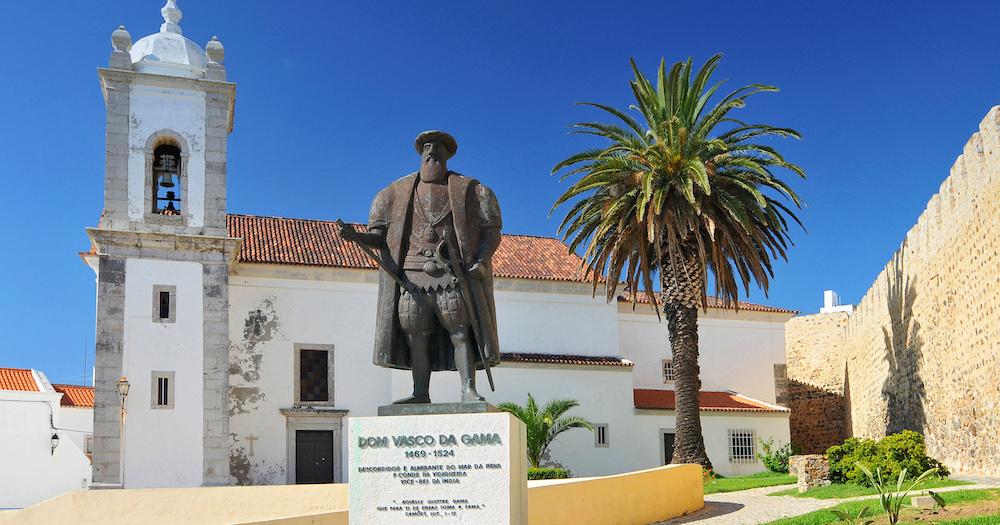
x=246, y=341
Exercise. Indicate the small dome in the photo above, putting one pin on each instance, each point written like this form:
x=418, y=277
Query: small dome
x=169, y=52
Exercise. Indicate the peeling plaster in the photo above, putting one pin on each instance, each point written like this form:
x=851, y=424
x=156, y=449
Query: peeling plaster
x=243, y=398
x=244, y=471
x=245, y=357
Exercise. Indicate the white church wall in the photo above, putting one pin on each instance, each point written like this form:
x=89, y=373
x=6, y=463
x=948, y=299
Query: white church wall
x=323, y=307
x=738, y=351
x=556, y=323
x=33, y=471
x=338, y=313
x=155, y=107
x=604, y=393
x=649, y=425
x=274, y=308
x=79, y=422
x=166, y=443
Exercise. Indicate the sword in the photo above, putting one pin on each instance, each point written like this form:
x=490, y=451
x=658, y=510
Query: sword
x=385, y=267
x=462, y=276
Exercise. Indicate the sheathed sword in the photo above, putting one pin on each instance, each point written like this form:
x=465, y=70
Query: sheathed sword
x=382, y=264
x=462, y=276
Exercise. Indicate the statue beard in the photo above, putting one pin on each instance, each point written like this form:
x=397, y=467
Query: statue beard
x=433, y=170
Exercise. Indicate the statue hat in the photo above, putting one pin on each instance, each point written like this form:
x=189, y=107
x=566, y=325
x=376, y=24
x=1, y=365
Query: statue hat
x=436, y=136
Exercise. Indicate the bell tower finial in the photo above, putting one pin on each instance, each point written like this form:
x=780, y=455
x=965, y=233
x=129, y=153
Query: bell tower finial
x=171, y=16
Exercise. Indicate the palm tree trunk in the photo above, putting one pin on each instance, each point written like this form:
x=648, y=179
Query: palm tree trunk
x=682, y=297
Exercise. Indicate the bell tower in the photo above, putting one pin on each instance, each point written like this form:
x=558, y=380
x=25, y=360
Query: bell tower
x=161, y=253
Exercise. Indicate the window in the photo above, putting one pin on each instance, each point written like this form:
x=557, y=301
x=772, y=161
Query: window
x=600, y=434
x=88, y=444
x=164, y=303
x=314, y=374
x=162, y=390
x=742, y=446
x=668, y=370
x=166, y=180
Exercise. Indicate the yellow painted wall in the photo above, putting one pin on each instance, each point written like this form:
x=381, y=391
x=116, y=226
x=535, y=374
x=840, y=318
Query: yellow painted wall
x=203, y=505
x=634, y=498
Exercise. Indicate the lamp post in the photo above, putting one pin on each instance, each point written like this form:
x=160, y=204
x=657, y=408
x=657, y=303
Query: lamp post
x=123, y=387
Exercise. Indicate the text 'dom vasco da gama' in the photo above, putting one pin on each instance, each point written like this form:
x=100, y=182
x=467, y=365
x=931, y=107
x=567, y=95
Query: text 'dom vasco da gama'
x=454, y=467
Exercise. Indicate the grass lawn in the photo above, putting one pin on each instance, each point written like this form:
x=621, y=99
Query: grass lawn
x=955, y=501
x=850, y=490
x=760, y=479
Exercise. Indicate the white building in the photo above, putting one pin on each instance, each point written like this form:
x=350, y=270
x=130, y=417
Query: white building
x=248, y=340
x=44, y=437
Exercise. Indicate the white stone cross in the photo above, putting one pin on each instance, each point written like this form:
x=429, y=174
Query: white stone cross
x=250, y=439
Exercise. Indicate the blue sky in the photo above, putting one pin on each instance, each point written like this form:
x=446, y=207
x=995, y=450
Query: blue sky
x=331, y=94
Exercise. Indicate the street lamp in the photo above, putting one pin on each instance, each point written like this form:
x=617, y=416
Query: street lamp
x=123, y=387
x=55, y=442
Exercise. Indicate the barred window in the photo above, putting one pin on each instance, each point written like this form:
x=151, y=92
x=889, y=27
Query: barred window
x=742, y=446
x=600, y=434
x=668, y=370
x=162, y=390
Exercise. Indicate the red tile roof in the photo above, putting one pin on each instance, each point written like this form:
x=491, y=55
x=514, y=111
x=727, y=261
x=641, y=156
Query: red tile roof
x=18, y=379
x=76, y=395
x=278, y=240
x=714, y=302
x=565, y=359
x=708, y=401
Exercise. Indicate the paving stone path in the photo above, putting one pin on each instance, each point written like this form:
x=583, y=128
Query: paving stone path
x=754, y=506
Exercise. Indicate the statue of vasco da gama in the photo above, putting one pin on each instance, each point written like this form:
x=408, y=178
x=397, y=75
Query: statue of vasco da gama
x=433, y=234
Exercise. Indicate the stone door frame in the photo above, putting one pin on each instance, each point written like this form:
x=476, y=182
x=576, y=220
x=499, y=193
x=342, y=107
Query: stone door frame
x=307, y=418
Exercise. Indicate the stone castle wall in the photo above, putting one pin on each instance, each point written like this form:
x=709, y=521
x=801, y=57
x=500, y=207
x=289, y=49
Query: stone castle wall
x=922, y=348
x=815, y=350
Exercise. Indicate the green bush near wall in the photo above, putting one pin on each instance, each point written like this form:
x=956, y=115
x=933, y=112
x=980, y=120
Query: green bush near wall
x=891, y=454
x=548, y=473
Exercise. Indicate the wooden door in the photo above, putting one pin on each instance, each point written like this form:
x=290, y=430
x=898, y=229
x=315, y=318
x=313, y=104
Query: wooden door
x=314, y=456
x=668, y=447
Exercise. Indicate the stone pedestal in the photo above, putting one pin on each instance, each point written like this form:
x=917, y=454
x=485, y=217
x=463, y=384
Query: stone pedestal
x=812, y=470
x=453, y=468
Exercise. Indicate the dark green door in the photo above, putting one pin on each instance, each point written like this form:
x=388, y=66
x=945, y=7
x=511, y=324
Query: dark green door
x=668, y=447
x=314, y=456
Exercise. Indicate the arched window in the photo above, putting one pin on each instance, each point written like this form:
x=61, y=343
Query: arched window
x=167, y=180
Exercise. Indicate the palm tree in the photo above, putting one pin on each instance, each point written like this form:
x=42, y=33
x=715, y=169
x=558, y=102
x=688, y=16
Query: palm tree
x=687, y=193
x=543, y=427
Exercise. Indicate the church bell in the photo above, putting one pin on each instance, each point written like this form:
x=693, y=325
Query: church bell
x=165, y=169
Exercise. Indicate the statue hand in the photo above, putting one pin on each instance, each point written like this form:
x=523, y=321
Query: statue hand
x=477, y=271
x=348, y=233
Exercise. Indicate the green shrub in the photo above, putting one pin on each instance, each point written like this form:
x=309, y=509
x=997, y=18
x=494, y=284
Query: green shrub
x=890, y=455
x=547, y=473
x=776, y=459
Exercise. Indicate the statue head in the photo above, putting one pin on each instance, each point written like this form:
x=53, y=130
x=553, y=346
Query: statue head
x=435, y=148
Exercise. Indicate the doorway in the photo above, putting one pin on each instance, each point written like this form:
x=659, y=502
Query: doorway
x=314, y=456
x=667, y=438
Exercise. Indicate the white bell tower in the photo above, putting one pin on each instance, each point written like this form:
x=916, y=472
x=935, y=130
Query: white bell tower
x=162, y=254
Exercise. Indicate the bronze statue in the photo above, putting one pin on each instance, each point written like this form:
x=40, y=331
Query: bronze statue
x=433, y=234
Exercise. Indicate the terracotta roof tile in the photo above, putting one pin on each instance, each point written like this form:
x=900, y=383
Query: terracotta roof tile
x=76, y=395
x=709, y=401
x=18, y=379
x=565, y=359
x=278, y=240
x=714, y=302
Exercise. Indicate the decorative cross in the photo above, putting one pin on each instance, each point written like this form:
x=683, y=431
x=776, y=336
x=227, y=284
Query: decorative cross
x=250, y=439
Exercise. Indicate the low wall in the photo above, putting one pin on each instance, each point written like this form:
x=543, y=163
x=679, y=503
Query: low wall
x=639, y=498
x=633, y=498
x=203, y=505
